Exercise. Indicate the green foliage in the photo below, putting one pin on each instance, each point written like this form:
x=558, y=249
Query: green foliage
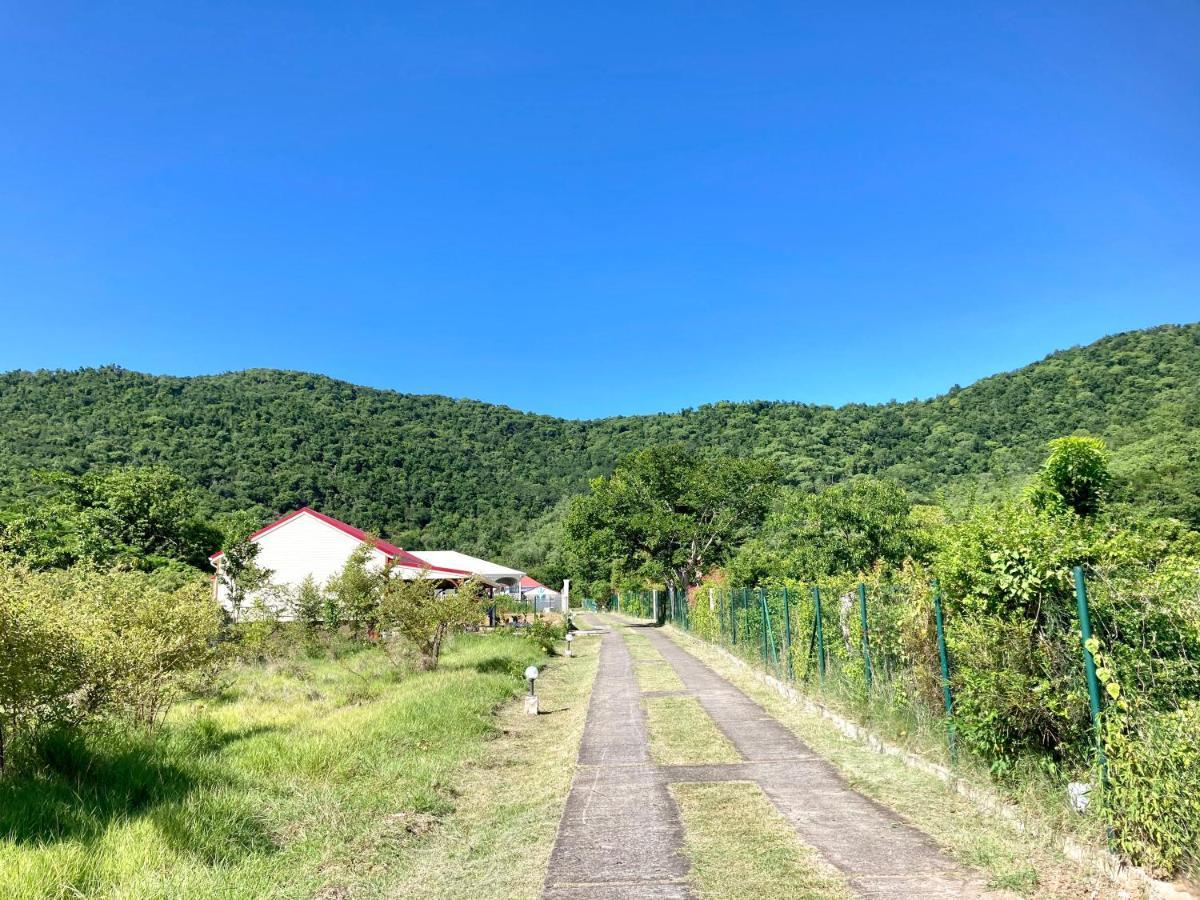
x=1075, y=476
x=435, y=472
x=1152, y=799
x=848, y=527
x=413, y=610
x=143, y=517
x=310, y=603
x=354, y=593
x=77, y=643
x=546, y=634
x=667, y=514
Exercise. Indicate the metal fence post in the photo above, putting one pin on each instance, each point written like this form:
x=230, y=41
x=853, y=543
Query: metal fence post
x=732, y=617
x=1089, y=668
x=866, y=641
x=762, y=625
x=819, y=630
x=944, y=659
x=787, y=635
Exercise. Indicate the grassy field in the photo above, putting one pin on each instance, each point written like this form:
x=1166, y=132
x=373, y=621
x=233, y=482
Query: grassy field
x=301, y=778
x=1020, y=862
x=740, y=846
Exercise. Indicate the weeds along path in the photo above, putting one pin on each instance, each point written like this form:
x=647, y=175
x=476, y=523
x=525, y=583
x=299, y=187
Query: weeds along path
x=621, y=836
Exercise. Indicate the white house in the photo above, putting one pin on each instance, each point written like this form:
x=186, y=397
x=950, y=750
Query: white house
x=539, y=595
x=306, y=542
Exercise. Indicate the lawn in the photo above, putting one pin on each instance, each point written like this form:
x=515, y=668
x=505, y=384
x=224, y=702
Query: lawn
x=297, y=779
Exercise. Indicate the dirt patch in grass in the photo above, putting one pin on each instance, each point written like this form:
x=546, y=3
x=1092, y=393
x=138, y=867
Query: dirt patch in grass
x=683, y=734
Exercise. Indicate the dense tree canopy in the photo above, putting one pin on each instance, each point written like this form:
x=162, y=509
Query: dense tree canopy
x=434, y=472
x=666, y=514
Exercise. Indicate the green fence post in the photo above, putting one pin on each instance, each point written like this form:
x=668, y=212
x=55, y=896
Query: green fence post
x=787, y=636
x=762, y=625
x=944, y=659
x=820, y=631
x=732, y=617
x=1089, y=668
x=866, y=641
x=746, y=612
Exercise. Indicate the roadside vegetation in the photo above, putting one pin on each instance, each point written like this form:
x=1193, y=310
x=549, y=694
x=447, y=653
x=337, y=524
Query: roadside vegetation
x=286, y=775
x=1023, y=856
x=152, y=747
x=1003, y=570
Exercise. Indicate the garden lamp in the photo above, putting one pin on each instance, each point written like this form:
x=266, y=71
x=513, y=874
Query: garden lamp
x=570, y=637
x=531, y=675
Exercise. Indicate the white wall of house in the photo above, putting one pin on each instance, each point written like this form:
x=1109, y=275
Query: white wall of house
x=302, y=546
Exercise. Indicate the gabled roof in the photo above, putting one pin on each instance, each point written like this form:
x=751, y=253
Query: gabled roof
x=528, y=583
x=398, y=555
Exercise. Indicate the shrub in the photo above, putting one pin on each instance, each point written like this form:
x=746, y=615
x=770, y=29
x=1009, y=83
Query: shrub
x=1152, y=801
x=414, y=611
x=546, y=634
x=78, y=642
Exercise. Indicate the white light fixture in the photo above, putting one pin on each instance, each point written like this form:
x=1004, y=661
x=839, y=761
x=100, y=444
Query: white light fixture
x=570, y=637
x=531, y=701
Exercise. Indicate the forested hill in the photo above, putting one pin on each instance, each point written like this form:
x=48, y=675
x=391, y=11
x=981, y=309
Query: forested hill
x=429, y=470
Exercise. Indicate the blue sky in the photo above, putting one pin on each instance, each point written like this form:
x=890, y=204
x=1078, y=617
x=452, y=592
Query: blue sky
x=587, y=209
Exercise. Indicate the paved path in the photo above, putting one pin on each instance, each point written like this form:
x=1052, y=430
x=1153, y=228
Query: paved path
x=620, y=834
x=619, y=794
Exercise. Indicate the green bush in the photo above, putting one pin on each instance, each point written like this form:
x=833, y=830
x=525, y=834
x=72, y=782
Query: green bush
x=546, y=634
x=1152, y=801
x=77, y=642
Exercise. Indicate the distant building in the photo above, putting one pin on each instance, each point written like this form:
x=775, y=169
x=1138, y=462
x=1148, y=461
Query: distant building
x=308, y=543
x=542, y=597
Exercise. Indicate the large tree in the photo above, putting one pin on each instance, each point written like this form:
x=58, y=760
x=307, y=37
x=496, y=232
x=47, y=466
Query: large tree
x=667, y=514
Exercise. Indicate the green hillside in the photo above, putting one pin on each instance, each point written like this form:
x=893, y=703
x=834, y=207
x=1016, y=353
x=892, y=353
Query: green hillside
x=429, y=470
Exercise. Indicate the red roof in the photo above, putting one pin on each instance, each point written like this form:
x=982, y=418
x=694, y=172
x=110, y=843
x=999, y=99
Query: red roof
x=397, y=554
x=529, y=583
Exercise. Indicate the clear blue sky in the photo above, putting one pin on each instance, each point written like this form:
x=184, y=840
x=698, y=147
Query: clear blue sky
x=593, y=208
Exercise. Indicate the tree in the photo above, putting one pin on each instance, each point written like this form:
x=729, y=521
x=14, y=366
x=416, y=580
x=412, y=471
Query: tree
x=1075, y=476
x=144, y=517
x=309, y=603
x=241, y=575
x=668, y=513
x=354, y=591
x=846, y=528
x=413, y=610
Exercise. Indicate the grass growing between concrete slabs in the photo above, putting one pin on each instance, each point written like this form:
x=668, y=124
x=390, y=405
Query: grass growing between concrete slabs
x=657, y=676
x=280, y=786
x=683, y=734
x=1014, y=861
x=639, y=646
x=740, y=846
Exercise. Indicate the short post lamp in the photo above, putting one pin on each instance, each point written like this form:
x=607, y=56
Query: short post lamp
x=531, y=700
x=570, y=637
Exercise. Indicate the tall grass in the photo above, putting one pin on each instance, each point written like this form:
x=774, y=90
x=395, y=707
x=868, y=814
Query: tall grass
x=292, y=767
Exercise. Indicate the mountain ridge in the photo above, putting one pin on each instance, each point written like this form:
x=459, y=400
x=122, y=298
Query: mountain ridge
x=431, y=470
